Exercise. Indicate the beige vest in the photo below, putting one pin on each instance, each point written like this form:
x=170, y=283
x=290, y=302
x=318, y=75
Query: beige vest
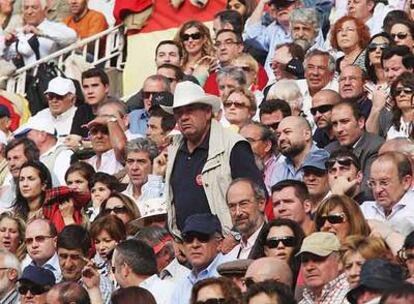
x=216, y=174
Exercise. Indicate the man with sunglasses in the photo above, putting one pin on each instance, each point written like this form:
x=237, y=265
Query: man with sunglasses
x=34, y=284
x=202, y=237
x=322, y=104
x=40, y=239
x=345, y=175
x=246, y=202
x=321, y=265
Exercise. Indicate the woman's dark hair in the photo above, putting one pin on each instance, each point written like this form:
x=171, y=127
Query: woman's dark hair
x=369, y=67
x=132, y=295
x=131, y=206
x=250, y=6
x=271, y=288
x=108, y=180
x=297, y=232
x=406, y=79
x=229, y=289
x=20, y=205
x=84, y=169
x=111, y=224
x=392, y=18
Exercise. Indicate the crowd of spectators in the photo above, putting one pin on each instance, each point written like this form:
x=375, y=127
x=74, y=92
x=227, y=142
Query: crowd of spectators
x=270, y=160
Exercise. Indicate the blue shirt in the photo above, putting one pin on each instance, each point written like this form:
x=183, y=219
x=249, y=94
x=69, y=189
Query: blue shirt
x=138, y=121
x=182, y=293
x=287, y=170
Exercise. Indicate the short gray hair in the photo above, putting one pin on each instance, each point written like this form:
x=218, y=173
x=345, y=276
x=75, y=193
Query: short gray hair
x=11, y=261
x=142, y=145
x=305, y=15
x=316, y=52
x=233, y=72
x=43, y=4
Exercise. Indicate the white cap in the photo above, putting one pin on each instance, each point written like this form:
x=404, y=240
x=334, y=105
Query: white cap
x=61, y=86
x=36, y=123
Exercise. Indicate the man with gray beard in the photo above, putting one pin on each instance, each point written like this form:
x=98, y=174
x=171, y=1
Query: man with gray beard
x=294, y=139
x=305, y=28
x=10, y=271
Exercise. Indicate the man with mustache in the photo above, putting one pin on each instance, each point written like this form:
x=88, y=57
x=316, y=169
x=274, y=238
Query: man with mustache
x=246, y=202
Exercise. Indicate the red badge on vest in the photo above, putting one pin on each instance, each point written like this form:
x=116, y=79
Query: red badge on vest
x=199, y=180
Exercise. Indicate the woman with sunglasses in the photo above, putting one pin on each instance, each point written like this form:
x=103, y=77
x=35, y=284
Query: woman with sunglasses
x=402, y=91
x=402, y=33
x=281, y=238
x=373, y=64
x=34, y=180
x=121, y=206
x=341, y=216
x=216, y=291
x=198, y=51
x=356, y=250
x=239, y=107
x=350, y=36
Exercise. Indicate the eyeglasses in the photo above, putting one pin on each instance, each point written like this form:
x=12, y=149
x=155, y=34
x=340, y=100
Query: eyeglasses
x=237, y=105
x=116, y=210
x=34, y=289
x=218, y=44
x=194, y=36
x=374, y=46
x=99, y=129
x=53, y=96
x=400, y=36
x=347, y=29
x=321, y=109
x=213, y=301
x=383, y=183
x=343, y=161
x=201, y=237
x=398, y=91
x=334, y=218
x=147, y=94
x=38, y=239
x=273, y=126
x=287, y=241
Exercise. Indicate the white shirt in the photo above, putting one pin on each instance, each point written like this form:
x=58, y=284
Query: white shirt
x=62, y=122
x=404, y=131
x=60, y=165
x=109, y=163
x=54, y=36
x=105, y=7
x=174, y=272
x=242, y=250
x=161, y=290
x=401, y=217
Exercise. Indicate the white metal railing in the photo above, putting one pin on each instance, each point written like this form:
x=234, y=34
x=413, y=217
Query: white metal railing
x=111, y=57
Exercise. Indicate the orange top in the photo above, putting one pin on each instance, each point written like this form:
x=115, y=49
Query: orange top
x=91, y=23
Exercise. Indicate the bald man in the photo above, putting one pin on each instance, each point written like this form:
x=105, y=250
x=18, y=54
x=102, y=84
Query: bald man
x=269, y=268
x=400, y=144
x=295, y=143
x=322, y=104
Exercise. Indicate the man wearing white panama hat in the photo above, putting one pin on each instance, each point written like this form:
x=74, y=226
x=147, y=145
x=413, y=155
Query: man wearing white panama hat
x=203, y=160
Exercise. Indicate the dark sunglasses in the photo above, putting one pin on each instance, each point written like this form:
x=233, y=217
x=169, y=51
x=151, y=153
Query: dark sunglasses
x=343, y=161
x=237, y=105
x=331, y=218
x=287, y=241
x=212, y=301
x=400, y=36
x=194, y=36
x=273, y=126
x=321, y=109
x=374, y=46
x=34, y=289
x=201, y=237
x=38, y=239
x=116, y=210
x=147, y=94
x=52, y=96
x=97, y=129
x=398, y=91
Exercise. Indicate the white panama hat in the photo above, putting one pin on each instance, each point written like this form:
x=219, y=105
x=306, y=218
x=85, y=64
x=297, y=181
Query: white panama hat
x=187, y=93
